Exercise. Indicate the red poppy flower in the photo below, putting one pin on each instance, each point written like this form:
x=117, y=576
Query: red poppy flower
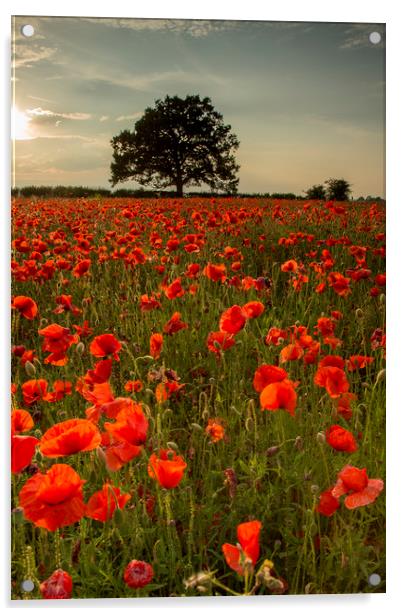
x=167, y=468
x=220, y=341
x=357, y=362
x=291, y=352
x=81, y=268
x=332, y=360
x=267, y=374
x=192, y=270
x=253, y=310
x=25, y=306
x=325, y=326
x=134, y=386
x=343, y=405
x=148, y=303
x=138, y=574
x=155, y=345
x=101, y=372
x=339, y=284
x=275, y=336
x=328, y=504
x=53, y=499
x=232, y=320
x=22, y=452
x=248, y=535
x=102, y=505
x=279, y=395
x=333, y=379
x=217, y=273
x=35, y=390
x=165, y=390
x=174, y=289
x=289, y=266
x=21, y=421
x=68, y=437
x=340, y=439
x=57, y=341
x=215, y=430
x=359, y=488
x=131, y=424
x=105, y=344
x=175, y=324
x=117, y=454
x=58, y=586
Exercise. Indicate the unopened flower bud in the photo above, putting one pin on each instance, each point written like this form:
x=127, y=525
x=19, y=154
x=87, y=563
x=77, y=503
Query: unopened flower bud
x=272, y=451
x=320, y=437
x=80, y=348
x=359, y=314
x=30, y=369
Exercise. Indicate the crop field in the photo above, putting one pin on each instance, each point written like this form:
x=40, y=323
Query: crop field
x=198, y=397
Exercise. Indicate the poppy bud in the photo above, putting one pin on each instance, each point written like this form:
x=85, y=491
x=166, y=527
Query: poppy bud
x=80, y=348
x=359, y=314
x=30, y=369
x=314, y=489
x=320, y=437
x=380, y=376
x=172, y=445
x=37, y=362
x=382, y=298
x=196, y=426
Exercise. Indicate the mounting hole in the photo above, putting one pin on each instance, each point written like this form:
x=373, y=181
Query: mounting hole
x=27, y=585
x=28, y=30
x=374, y=579
x=375, y=38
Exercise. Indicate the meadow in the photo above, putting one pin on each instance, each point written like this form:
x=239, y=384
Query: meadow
x=198, y=397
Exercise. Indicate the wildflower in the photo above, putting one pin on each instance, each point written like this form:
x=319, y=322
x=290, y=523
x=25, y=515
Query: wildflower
x=333, y=379
x=360, y=490
x=53, y=499
x=25, y=306
x=174, y=325
x=155, y=345
x=215, y=430
x=236, y=557
x=167, y=468
x=253, y=310
x=267, y=374
x=58, y=586
x=217, y=273
x=105, y=344
x=340, y=439
x=102, y=505
x=22, y=451
x=57, y=340
x=232, y=320
x=69, y=437
x=279, y=395
x=21, y=421
x=220, y=341
x=138, y=574
x=328, y=504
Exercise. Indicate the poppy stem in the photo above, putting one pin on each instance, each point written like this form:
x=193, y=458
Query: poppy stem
x=57, y=548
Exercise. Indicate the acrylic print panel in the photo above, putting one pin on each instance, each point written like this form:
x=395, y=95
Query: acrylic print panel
x=198, y=308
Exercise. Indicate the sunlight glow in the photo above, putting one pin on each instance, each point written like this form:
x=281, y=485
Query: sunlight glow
x=20, y=129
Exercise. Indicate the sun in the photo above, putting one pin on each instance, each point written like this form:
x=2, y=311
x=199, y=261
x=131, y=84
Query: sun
x=20, y=129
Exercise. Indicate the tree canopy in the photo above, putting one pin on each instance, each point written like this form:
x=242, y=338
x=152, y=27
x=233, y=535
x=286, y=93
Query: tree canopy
x=179, y=142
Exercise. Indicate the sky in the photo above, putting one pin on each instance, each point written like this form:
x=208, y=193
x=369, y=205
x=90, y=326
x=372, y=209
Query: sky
x=306, y=100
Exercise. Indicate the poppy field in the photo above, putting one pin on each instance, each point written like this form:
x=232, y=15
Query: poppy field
x=198, y=397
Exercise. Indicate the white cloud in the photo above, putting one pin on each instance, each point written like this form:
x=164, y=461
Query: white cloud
x=103, y=118
x=133, y=116
x=194, y=27
x=38, y=112
x=25, y=56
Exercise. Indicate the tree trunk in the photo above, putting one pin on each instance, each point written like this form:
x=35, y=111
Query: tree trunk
x=179, y=186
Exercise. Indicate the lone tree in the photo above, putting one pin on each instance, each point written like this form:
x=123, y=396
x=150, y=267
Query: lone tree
x=338, y=190
x=316, y=192
x=179, y=142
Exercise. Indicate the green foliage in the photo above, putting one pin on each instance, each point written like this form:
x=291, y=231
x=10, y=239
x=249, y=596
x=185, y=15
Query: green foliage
x=179, y=142
x=316, y=192
x=338, y=189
